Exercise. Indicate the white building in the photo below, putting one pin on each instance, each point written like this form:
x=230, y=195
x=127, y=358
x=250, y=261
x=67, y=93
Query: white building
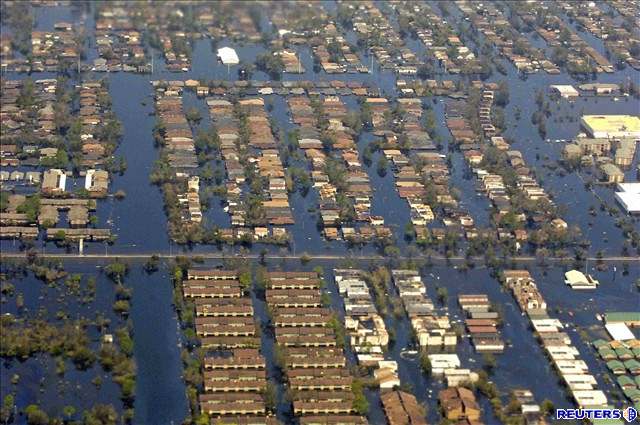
x=228, y=56
x=566, y=91
x=629, y=197
x=578, y=280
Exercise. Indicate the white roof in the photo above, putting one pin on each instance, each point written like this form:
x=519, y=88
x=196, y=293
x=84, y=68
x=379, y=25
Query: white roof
x=590, y=398
x=619, y=331
x=576, y=278
x=633, y=187
x=228, y=56
x=580, y=378
x=565, y=89
x=629, y=196
x=446, y=361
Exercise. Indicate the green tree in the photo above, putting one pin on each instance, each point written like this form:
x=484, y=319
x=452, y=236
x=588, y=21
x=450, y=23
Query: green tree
x=270, y=397
x=6, y=412
x=193, y=115
x=271, y=64
x=443, y=294
x=425, y=363
x=360, y=403
x=35, y=416
x=30, y=207
x=69, y=411
x=245, y=279
x=547, y=407
x=101, y=414
x=117, y=270
x=152, y=264
x=489, y=362
x=502, y=94
x=383, y=163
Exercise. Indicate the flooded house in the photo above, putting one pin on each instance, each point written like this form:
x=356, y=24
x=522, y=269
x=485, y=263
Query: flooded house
x=433, y=331
x=582, y=385
x=97, y=183
x=318, y=374
x=459, y=403
x=482, y=323
x=54, y=182
x=366, y=328
x=401, y=407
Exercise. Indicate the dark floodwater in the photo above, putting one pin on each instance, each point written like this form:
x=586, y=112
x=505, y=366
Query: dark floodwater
x=160, y=396
x=140, y=223
x=160, y=391
x=38, y=381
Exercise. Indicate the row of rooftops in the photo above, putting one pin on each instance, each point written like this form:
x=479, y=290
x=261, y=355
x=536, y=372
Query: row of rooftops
x=179, y=147
x=440, y=38
x=557, y=34
x=433, y=171
x=482, y=323
x=178, y=137
x=94, y=111
x=488, y=19
x=15, y=118
x=50, y=51
x=21, y=225
x=367, y=331
x=557, y=344
x=314, y=366
x=493, y=184
x=433, y=331
x=263, y=155
x=355, y=185
x=222, y=115
x=622, y=357
x=234, y=369
x=213, y=86
x=374, y=29
x=357, y=181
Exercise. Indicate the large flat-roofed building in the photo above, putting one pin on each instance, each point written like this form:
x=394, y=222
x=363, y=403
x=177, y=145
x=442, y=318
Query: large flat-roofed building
x=628, y=196
x=612, y=126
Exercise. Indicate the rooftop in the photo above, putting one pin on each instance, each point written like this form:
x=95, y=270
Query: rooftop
x=612, y=123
